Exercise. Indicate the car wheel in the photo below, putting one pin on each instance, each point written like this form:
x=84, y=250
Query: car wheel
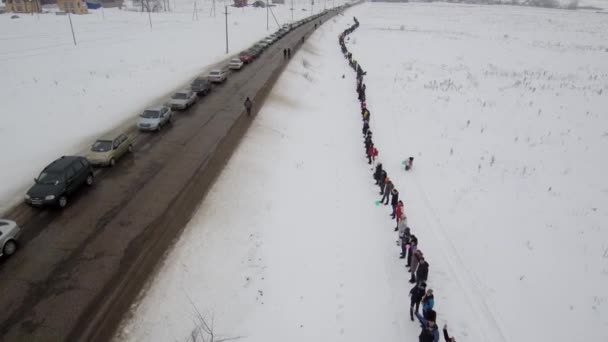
x=111, y=163
x=90, y=176
x=131, y=148
x=9, y=248
x=63, y=201
x=159, y=127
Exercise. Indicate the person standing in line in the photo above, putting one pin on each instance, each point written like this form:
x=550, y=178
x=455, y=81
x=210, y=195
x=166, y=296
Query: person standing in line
x=411, y=250
x=248, y=104
x=388, y=187
x=427, y=303
x=377, y=173
x=415, y=264
x=404, y=236
x=430, y=332
x=422, y=273
x=400, y=214
x=394, y=201
x=416, y=294
x=365, y=127
x=446, y=335
x=371, y=153
x=383, y=177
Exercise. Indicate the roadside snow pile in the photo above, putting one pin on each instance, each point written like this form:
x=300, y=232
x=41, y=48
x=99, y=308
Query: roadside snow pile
x=57, y=97
x=504, y=110
x=288, y=245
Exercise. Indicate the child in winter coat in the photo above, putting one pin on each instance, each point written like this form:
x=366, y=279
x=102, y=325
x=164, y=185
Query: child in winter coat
x=399, y=214
x=427, y=303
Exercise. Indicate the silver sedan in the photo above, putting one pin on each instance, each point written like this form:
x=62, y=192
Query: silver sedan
x=9, y=233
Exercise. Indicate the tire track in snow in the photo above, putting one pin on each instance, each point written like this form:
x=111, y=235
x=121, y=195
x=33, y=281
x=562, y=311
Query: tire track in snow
x=491, y=329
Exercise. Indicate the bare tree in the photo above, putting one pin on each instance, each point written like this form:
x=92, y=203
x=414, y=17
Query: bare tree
x=204, y=330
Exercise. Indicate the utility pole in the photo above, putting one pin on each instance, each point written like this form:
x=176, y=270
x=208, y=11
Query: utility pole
x=312, y=2
x=72, y=28
x=226, y=12
x=267, y=18
x=149, y=16
x=194, y=12
x=212, y=10
x=292, y=11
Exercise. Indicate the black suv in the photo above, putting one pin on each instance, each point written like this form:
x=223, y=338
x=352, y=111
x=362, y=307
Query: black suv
x=59, y=180
x=201, y=86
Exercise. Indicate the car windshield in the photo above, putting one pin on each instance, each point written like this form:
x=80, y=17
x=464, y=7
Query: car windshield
x=150, y=114
x=235, y=60
x=199, y=81
x=102, y=146
x=50, y=178
x=180, y=96
x=214, y=73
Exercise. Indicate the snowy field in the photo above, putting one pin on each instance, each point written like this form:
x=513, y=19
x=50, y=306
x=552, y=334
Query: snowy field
x=504, y=110
x=57, y=97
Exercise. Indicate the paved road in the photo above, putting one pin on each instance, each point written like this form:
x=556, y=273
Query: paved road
x=79, y=269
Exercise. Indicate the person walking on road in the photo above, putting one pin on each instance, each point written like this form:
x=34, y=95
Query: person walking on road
x=248, y=105
x=284, y=53
x=416, y=294
x=288, y=53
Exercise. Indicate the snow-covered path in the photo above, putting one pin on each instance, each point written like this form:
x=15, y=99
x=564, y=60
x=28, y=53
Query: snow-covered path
x=288, y=246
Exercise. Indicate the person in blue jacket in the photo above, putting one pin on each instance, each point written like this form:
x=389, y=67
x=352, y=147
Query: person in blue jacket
x=430, y=332
x=427, y=303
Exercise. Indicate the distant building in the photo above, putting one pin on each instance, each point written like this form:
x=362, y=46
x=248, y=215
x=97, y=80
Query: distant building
x=23, y=6
x=240, y=3
x=73, y=6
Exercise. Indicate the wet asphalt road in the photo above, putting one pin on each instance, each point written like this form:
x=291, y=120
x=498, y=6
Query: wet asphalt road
x=78, y=270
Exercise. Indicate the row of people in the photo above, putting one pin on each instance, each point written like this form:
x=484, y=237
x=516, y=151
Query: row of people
x=408, y=242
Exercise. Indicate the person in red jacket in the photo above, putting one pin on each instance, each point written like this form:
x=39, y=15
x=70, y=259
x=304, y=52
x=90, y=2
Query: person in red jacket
x=372, y=153
x=399, y=213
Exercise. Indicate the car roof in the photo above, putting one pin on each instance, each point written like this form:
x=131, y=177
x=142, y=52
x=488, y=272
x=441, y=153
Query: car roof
x=183, y=91
x=61, y=163
x=110, y=136
x=155, y=108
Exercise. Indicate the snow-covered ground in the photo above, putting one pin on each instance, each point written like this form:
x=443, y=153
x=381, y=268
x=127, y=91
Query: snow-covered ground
x=288, y=245
x=57, y=98
x=504, y=110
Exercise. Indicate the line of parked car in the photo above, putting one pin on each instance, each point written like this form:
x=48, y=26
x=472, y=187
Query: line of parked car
x=64, y=176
